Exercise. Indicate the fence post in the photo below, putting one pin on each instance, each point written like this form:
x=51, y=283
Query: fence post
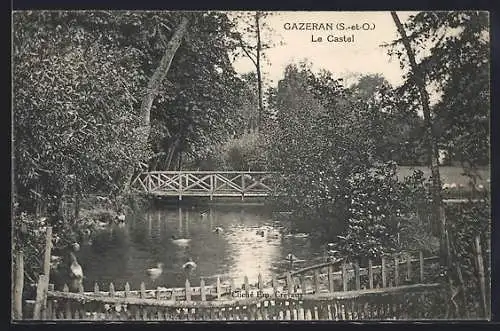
x=41, y=292
x=344, y=277
x=316, y=281
x=127, y=290
x=18, y=286
x=396, y=271
x=48, y=250
x=274, y=284
x=303, y=286
x=188, y=290
x=245, y=285
x=370, y=274
x=260, y=284
x=408, y=268
x=242, y=186
x=384, y=273
x=357, y=275
x=218, y=288
x=331, y=281
x=212, y=187
x=202, y=290
x=111, y=290
x=421, y=258
x=180, y=186
x=289, y=282
x=157, y=293
x=143, y=290
x=482, y=281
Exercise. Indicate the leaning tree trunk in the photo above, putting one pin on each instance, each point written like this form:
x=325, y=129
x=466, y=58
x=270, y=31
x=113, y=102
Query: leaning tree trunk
x=154, y=85
x=433, y=160
x=259, y=74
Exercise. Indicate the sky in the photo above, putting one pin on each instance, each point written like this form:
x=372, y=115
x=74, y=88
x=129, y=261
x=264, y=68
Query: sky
x=364, y=55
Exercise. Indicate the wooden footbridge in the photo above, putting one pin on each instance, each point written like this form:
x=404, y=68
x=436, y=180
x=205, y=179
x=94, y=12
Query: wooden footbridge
x=204, y=183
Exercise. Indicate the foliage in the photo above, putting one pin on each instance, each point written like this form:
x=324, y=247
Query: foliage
x=75, y=107
x=197, y=107
x=240, y=153
x=453, y=48
x=325, y=145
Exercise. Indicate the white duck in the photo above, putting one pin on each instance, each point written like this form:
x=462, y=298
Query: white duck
x=75, y=246
x=76, y=270
x=120, y=218
x=180, y=241
x=189, y=265
x=218, y=229
x=155, y=272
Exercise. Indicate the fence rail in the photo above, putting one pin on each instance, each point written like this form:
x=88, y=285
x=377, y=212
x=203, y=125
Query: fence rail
x=378, y=304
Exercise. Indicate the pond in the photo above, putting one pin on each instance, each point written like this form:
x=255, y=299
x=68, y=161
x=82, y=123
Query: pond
x=122, y=254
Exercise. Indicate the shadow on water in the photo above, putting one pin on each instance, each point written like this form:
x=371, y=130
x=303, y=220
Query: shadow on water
x=123, y=254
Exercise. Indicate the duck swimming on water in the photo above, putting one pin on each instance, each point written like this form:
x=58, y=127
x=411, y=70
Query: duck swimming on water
x=180, y=241
x=155, y=272
x=218, y=229
x=189, y=265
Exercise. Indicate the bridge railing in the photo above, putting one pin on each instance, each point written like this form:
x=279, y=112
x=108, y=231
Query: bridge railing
x=205, y=183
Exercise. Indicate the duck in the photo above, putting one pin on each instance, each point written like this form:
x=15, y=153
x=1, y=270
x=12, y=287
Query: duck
x=76, y=270
x=75, y=246
x=180, y=241
x=120, y=218
x=55, y=261
x=218, y=229
x=189, y=265
x=290, y=257
x=297, y=235
x=260, y=233
x=273, y=235
x=155, y=272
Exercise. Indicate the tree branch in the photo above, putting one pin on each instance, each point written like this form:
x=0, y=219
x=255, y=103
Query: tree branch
x=247, y=53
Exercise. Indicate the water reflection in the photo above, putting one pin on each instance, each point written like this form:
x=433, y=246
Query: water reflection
x=124, y=254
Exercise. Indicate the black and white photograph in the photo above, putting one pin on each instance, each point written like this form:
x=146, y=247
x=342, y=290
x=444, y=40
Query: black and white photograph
x=250, y=165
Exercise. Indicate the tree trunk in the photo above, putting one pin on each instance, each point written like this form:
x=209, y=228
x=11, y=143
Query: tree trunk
x=154, y=84
x=259, y=75
x=179, y=165
x=171, y=152
x=159, y=75
x=433, y=155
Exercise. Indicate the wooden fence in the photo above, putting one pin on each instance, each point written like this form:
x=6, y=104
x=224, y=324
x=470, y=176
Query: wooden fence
x=401, y=287
x=378, y=304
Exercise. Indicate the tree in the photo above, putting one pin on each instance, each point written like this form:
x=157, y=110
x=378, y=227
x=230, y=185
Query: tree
x=456, y=65
x=253, y=47
x=331, y=178
x=74, y=108
x=159, y=75
x=433, y=156
x=197, y=107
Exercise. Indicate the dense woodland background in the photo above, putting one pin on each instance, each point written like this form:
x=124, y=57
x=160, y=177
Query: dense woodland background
x=82, y=125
